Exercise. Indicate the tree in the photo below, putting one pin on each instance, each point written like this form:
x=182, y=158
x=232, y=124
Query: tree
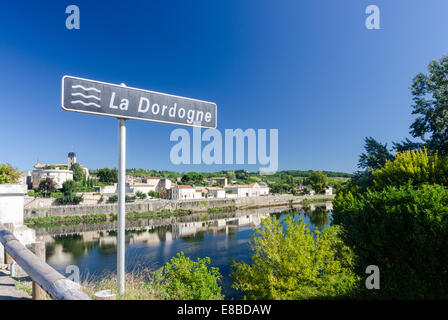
x=430, y=96
x=47, y=186
x=230, y=175
x=107, y=175
x=289, y=262
x=318, y=181
x=193, y=178
x=8, y=174
x=241, y=174
x=69, y=186
x=78, y=173
x=375, y=156
x=404, y=231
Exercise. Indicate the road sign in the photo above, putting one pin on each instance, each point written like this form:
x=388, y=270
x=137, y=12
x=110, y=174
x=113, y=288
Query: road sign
x=122, y=102
x=95, y=97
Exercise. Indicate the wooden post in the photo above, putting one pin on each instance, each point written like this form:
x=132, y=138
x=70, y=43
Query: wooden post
x=104, y=295
x=39, y=251
x=8, y=258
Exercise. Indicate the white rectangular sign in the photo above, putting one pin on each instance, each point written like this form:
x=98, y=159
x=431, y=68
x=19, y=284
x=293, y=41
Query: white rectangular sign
x=95, y=97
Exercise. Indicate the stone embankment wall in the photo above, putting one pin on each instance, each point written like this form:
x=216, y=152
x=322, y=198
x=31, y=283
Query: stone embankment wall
x=198, y=205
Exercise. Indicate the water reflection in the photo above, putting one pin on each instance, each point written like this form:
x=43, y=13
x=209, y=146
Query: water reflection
x=151, y=243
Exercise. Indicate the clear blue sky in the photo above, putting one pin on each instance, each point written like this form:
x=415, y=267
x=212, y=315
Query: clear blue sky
x=309, y=68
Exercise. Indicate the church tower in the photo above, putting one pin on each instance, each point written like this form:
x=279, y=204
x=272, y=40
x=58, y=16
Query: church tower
x=71, y=159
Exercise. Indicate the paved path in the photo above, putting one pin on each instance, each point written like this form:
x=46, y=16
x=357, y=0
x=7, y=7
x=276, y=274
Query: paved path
x=8, y=291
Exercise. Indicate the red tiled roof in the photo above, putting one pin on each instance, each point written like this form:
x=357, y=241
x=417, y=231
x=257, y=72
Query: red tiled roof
x=183, y=186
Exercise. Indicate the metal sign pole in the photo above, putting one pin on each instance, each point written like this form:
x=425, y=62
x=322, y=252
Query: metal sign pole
x=121, y=203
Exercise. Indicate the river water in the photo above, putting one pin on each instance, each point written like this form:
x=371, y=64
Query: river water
x=151, y=243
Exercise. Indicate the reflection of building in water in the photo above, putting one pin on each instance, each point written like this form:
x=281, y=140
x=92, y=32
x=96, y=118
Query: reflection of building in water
x=149, y=235
x=59, y=256
x=190, y=228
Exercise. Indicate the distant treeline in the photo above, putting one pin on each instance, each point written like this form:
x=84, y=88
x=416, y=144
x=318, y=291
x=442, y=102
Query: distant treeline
x=106, y=175
x=239, y=173
x=306, y=174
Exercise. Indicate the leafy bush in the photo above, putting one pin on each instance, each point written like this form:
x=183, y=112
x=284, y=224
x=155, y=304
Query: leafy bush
x=415, y=166
x=113, y=198
x=289, y=262
x=185, y=279
x=69, y=198
x=129, y=198
x=141, y=195
x=153, y=194
x=404, y=231
x=69, y=186
x=8, y=174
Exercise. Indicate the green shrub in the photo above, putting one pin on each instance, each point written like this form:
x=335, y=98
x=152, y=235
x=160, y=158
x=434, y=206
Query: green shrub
x=404, y=231
x=154, y=194
x=185, y=279
x=113, y=198
x=415, y=166
x=69, y=198
x=141, y=195
x=289, y=262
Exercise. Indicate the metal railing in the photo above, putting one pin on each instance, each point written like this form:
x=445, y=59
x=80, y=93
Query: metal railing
x=44, y=276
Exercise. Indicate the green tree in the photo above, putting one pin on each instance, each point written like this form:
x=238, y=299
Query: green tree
x=47, y=186
x=69, y=186
x=430, y=97
x=185, y=279
x=8, y=174
x=289, y=262
x=78, y=173
x=107, y=175
x=404, y=231
x=375, y=156
x=318, y=181
x=230, y=175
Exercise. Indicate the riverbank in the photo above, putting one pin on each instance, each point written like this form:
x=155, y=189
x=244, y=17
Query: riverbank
x=158, y=205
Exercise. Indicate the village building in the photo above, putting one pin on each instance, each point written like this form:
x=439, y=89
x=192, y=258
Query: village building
x=248, y=190
x=215, y=192
x=147, y=184
x=184, y=192
x=58, y=172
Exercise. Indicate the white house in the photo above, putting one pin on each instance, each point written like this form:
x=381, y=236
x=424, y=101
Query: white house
x=249, y=190
x=329, y=191
x=215, y=192
x=59, y=176
x=183, y=192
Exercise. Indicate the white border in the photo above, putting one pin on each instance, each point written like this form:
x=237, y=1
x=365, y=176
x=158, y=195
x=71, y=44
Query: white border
x=135, y=118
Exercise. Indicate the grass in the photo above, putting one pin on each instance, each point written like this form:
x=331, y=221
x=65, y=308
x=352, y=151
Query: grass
x=307, y=201
x=24, y=286
x=222, y=209
x=137, y=286
x=52, y=220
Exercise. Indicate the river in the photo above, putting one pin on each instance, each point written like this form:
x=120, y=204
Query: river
x=151, y=243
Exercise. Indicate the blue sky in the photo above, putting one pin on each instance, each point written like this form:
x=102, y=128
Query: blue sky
x=308, y=68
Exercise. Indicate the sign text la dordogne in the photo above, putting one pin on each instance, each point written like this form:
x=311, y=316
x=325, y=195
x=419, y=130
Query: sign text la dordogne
x=89, y=96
